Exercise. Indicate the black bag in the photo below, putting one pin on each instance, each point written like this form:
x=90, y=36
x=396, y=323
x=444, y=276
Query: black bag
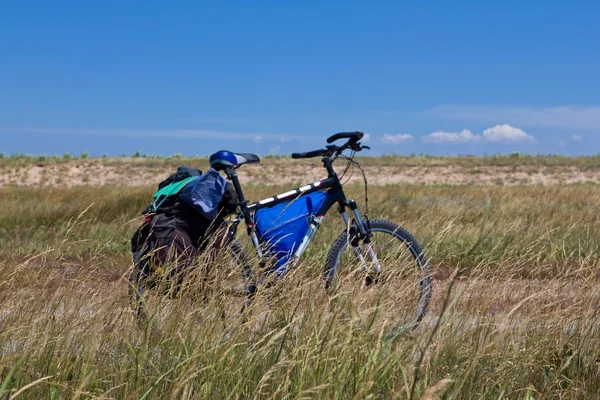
x=174, y=220
x=183, y=172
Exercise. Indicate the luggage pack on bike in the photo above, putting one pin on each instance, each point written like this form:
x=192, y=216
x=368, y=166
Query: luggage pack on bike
x=186, y=212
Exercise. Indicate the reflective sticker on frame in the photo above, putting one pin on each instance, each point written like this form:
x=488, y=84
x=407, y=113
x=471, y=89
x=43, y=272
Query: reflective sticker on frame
x=286, y=194
x=265, y=201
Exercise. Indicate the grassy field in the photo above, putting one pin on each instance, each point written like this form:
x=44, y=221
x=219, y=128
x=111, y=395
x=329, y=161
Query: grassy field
x=515, y=311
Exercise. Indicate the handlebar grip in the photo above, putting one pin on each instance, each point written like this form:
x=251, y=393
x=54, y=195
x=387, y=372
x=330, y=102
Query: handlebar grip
x=310, y=154
x=346, y=135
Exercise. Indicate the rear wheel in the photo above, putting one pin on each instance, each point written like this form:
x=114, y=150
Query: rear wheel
x=385, y=284
x=217, y=280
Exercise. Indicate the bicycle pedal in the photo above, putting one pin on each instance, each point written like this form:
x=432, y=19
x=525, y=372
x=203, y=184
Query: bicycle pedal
x=371, y=279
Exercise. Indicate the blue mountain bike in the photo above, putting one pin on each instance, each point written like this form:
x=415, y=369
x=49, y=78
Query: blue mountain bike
x=377, y=265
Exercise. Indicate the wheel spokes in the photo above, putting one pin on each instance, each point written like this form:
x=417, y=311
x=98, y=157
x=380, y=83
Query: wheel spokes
x=382, y=283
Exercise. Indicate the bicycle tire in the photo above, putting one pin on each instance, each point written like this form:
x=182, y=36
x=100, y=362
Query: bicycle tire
x=379, y=226
x=140, y=283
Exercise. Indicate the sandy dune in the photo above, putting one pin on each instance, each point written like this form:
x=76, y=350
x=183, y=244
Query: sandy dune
x=277, y=172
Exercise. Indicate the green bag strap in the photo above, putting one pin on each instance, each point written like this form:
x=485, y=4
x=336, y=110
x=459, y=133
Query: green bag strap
x=168, y=191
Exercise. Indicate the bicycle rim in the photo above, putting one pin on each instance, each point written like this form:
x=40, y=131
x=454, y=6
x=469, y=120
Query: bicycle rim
x=213, y=289
x=397, y=299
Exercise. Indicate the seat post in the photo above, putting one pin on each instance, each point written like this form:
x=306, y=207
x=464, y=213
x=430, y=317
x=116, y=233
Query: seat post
x=232, y=175
x=243, y=203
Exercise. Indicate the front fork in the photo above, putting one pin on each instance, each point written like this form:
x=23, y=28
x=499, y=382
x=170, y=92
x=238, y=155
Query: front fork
x=359, y=232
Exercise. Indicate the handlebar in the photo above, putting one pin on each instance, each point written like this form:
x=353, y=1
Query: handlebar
x=353, y=136
x=310, y=154
x=333, y=150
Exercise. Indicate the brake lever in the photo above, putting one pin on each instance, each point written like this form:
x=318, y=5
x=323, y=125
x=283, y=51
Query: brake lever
x=356, y=146
x=366, y=147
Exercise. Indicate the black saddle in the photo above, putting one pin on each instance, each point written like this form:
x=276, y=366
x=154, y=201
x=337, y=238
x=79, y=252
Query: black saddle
x=227, y=159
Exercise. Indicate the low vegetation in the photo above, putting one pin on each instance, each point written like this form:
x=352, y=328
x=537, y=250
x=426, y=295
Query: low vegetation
x=515, y=312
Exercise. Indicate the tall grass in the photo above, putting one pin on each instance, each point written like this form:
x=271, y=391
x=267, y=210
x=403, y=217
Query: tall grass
x=515, y=312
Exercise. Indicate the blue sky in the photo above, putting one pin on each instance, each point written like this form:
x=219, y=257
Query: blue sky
x=164, y=77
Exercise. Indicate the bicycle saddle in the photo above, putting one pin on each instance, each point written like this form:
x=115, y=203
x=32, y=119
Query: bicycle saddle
x=226, y=159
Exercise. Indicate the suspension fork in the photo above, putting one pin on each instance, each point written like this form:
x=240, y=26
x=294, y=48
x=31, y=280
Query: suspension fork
x=361, y=232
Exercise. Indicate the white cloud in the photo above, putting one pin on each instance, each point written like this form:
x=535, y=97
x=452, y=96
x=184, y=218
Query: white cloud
x=577, y=138
x=366, y=138
x=396, y=139
x=566, y=117
x=463, y=136
x=497, y=134
x=506, y=133
x=258, y=139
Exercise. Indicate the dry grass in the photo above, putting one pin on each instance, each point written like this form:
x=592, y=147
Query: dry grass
x=515, y=312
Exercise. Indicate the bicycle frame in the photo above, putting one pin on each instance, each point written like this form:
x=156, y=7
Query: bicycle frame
x=335, y=194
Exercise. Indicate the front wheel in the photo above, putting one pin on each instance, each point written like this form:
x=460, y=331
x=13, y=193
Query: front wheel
x=384, y=281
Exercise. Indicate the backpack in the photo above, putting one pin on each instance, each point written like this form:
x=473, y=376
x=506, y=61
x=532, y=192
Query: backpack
x=170, y=210
x=171, y=186
x=183, y=172
x=143, y=241
x=282, y=227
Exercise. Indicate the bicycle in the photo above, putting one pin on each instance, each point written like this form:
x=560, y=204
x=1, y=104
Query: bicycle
x=382, y=253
